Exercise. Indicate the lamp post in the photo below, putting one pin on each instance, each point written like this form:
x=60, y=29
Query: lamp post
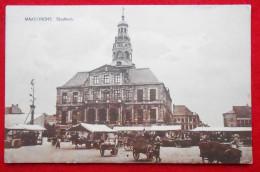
x=32, y=105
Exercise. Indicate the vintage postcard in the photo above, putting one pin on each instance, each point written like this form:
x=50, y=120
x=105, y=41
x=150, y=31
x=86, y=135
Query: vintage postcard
x=128, y=84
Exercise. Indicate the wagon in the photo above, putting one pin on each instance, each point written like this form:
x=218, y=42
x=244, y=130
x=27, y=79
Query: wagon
x=215, y=152
x=140, y=145
x=128, y=143
x=110, y=144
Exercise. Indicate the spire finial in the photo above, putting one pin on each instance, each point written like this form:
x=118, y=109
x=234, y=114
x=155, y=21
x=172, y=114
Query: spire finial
x=123, y=11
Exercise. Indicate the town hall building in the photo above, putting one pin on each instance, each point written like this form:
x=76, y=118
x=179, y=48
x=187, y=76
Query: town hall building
x=115, y=94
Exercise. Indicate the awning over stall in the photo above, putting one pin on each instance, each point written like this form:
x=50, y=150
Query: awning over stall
x=234, y=129
x=26, y=127
x=149, y=128
x=165, y=128
x=129, y=128
x=90, y=128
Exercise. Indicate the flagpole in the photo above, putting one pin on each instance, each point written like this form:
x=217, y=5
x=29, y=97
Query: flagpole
x=32, y=106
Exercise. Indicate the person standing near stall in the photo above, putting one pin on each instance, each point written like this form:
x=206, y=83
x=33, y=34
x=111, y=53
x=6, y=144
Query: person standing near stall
x=157, y=146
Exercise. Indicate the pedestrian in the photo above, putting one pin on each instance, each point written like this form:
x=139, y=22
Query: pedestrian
x=58, y=143
x=157, y=146
x=236, y=140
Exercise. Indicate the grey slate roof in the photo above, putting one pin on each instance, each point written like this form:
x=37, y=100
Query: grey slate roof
x=181, y=110
x=242, y=111
x=142, y=75
x=77, y=80
x=136, y=76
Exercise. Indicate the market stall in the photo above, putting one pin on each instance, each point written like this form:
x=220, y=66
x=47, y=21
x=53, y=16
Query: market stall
x=89, y=135
x=23, y=135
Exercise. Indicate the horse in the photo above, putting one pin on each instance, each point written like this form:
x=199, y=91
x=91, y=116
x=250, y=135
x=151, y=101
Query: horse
x=217, y=152
x=79, y=141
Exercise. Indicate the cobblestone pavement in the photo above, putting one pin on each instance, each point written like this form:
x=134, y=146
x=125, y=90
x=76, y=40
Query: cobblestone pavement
x=68, y=154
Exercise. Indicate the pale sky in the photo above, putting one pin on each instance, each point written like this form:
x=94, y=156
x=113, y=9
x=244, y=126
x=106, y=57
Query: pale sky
x=201, y=53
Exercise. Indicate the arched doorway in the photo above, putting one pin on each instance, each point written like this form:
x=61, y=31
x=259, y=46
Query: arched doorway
x=102, y=116
x=91, y=116
x=113, y=113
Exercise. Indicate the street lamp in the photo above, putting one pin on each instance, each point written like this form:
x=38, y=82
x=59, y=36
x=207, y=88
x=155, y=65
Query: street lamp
x=32, y=106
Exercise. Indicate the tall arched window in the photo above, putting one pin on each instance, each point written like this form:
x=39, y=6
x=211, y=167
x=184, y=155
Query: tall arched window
x=119, y=54
x=127, y=54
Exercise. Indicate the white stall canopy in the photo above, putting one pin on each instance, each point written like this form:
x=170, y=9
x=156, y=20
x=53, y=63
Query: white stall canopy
x=150, y=128
x=165, y=128
x=129, y=128
x=218, y=129
x=92, y=128
x=26, y=127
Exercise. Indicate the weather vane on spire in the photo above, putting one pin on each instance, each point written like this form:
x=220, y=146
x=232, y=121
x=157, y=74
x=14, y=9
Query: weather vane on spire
x=123, y=15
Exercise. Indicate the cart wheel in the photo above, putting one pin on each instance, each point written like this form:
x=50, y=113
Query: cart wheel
x=136, y=155
x=127, y=147
x=102, y=152
x=114, y=151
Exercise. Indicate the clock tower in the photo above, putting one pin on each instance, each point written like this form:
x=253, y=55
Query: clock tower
x=122, y=48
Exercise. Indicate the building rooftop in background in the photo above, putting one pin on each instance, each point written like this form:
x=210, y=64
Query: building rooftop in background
x=14, y=109
x=183, y=116
x=238, y=116
x=181, y=110
x=12, y=119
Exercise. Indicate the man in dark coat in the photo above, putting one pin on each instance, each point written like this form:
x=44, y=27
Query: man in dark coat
x=157, y=146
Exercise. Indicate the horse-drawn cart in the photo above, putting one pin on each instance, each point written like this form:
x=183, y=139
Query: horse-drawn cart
x=140, y=145
x=111, y=143
x=215, y=152
x=128, y=143
x=94, y=134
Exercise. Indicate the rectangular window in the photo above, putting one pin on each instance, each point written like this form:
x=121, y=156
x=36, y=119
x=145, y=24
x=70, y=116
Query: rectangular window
x=64, y=98
x=106, y=79
x=128, y=95
x=152, y=94
x=153, y=116
x=95, y=95
x=238, y=123
x=106, y=95
x=64, y=117
x=182, y=120
x=95, y=80
x=191, y=127
x=117, y=78
x=242, y=123
x=140, y=95
x=140, y=116
x=75, y=97
x=117, y=94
